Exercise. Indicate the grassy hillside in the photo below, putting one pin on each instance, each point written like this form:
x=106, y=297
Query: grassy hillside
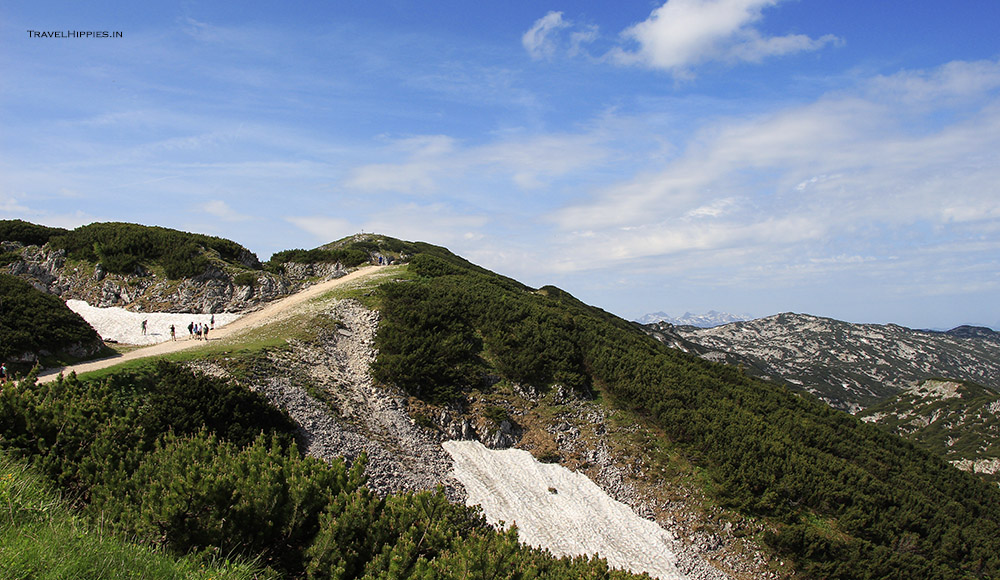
x=846, y=499
x=42, y=538
x=36, y=324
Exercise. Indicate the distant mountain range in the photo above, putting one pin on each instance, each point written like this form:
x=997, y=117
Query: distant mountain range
x=850, y=366
x=923, y=385
x=708, y=320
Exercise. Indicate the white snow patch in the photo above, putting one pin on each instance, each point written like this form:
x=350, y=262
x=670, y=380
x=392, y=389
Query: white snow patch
x=560, y=510
x=125, y=327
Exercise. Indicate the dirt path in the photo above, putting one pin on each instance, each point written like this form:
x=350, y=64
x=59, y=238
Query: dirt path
x=272, y=312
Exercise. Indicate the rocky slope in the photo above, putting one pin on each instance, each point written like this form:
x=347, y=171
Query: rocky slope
x=326, y=386
x=959, y=420
x=850, y=366
x=220, y=288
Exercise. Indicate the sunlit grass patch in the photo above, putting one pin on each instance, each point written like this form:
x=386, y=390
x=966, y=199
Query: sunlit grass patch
x=42, y=539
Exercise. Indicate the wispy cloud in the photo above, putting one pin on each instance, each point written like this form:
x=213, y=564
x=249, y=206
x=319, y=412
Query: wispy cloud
x=223, y=211
x=421, y=165
x=538, y=39
x=849, y=173
x=552, y=34
x=324, y=229
x=438, y=223
x=681, y=34
x=10, y=206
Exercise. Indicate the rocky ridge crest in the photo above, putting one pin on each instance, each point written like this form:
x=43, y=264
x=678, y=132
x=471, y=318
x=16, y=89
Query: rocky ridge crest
x=849, y=366
x=220, y=288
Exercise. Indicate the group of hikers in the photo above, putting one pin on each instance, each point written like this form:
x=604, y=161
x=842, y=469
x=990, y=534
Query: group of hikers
x=198, y=330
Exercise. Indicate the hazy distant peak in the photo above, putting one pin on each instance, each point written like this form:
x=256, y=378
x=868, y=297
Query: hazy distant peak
x=708, y=320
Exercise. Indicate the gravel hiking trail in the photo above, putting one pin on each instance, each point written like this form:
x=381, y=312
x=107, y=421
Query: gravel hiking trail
x=273, y=312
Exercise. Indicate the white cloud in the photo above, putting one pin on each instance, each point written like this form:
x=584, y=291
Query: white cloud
x=437, y=223
x=715, y=209
x=538, y=39
x=324, y=229
x=586, y=35
x=428, y=157
x=12, y=208
x=954, y=79
x=223, y=211
x=423, y=165
x=684, y=33
x=401, y=178
x=855, y=173
x=9, y=205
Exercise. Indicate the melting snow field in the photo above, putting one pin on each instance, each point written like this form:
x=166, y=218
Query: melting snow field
x=560, y=510
x=126, y=327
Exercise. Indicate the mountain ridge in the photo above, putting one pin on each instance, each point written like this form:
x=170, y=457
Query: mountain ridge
x=766, y=472
x=850, y=366
x=957, y=419
x=708, y=320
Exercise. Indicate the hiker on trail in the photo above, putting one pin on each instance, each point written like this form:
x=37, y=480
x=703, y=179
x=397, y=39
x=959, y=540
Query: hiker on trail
x=173, y=334
x=213, y=322
x=144, y=327
x=3, y=373
x=206, y=333
x=191, y=329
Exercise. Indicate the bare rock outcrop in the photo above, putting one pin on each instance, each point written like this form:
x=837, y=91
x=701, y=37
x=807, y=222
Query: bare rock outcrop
x=213, y=291
x=326, y=387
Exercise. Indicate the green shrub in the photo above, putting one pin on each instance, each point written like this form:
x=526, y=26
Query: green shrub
x=195, y=465
x=201, y=492
x=122, y=248
x=425, y=344
x=245, y=279
x=32, y=321
x=79, y=431
x=185, y=402
x=27, y=233
x=496, y=414
x=42, y=538
x=347, y=257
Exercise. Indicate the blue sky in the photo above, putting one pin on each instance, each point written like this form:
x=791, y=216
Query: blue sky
x=839, y=158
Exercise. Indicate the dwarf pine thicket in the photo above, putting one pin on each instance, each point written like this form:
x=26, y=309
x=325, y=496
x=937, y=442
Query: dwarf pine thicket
x=32, y=321
x=197, y=465
x=847, y=500
x=122, y=248
x=347, y=258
